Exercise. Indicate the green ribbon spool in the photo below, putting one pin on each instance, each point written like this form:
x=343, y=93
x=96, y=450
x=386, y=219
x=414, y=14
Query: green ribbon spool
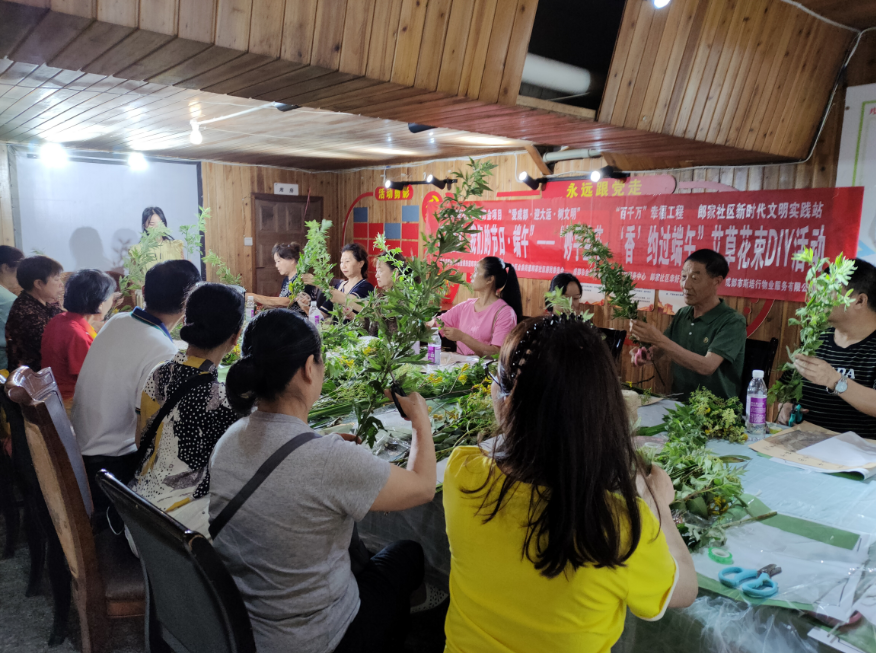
x=721, y=556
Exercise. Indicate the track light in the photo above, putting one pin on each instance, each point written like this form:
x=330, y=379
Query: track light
x=196, y=137
x=137, y=161
x=534, y=184
x=395, y=185
x=660, y=3
x=415, y=128
x=285, y=107
x=607, y=171
x=439, y=183
x=53, y=155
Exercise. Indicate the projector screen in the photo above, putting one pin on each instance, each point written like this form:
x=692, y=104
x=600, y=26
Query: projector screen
x=87, y=213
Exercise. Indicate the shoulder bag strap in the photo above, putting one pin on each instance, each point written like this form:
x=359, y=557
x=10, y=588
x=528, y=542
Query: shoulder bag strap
x=496, y=317
x=258, y=478
x=148, y=436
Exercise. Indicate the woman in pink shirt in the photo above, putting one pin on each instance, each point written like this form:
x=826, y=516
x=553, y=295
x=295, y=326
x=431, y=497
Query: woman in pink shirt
x=479, y=325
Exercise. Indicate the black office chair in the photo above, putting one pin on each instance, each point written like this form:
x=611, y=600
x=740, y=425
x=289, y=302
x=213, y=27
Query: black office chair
x=192, y=603
x=759, y=355
x=614, y=340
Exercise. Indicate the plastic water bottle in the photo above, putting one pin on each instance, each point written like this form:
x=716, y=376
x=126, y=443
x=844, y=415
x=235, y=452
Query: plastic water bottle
x=433, y=350
x=756, y=405
x=315, y=314
x=249, y=313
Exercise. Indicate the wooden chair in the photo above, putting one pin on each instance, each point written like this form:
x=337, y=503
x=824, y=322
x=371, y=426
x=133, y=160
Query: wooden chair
x=107, y=580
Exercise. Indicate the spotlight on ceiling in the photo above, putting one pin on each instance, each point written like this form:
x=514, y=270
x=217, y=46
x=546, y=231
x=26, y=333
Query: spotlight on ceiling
x=609, y=172
x=395, y=185
x=534, y=184
x=286, y=107
x=196, y=138
x=439, y=183
x=415, y=128
x=660, y=3
x=53, y=155
x=137, y=161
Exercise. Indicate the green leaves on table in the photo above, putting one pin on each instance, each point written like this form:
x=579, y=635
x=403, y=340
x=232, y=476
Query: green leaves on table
x=826, y=288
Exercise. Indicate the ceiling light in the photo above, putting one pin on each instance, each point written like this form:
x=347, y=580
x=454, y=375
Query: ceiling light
x=660, y=3
x=608, y=171
x=285, y=107
x=534, y=184
x=196, y=137
x=53, y=155
x=395, y=185
x=137, y=161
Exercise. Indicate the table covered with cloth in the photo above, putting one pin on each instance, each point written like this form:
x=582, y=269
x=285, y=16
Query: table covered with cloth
x=713, y=622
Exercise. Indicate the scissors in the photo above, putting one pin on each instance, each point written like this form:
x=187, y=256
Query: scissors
x=796, y=415
x=759, y=584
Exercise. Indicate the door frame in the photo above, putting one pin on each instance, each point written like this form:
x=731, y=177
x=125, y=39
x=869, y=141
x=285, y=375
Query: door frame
x=272, y=197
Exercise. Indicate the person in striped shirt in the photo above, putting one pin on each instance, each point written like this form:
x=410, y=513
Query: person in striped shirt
x=839, y=383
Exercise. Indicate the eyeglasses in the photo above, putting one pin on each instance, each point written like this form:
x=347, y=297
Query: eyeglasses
x=494, y=376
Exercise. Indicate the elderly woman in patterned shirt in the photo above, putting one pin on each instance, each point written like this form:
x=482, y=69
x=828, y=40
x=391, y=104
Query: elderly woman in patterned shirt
x=40, y=281
x=186, y=399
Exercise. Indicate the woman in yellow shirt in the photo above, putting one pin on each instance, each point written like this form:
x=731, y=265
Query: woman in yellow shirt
x=557, y=531
x=168, y=249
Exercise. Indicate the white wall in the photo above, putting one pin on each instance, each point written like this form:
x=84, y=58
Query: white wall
x=86, y=214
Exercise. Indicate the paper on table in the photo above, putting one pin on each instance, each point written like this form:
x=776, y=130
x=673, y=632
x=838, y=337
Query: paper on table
x=811, y=447
x=833, y=641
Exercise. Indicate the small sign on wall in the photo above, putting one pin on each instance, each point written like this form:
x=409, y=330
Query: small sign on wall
x=388, y=194
x=285, y=189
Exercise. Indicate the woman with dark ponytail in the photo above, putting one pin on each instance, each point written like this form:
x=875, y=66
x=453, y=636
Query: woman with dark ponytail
x=287, y=544
x=186, y=399
x=479, y=325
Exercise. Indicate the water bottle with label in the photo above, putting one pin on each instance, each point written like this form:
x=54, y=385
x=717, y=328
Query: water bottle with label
x=315, y=315
x=249, y=313
x=756, y=406
x=433, y=349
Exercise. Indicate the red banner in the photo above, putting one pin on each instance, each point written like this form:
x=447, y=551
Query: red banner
x=757, y=232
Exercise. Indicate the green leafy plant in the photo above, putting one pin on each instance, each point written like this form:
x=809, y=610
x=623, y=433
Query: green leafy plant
x=223, y=272
x=139, y=258
x=191, y=233
x=616, y=284
x=705, y=416
x=402, y=311
x=315, y=259
x=562, y=304
x=826, y=288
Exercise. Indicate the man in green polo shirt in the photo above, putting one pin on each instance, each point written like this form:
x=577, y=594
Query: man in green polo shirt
x=706, y=339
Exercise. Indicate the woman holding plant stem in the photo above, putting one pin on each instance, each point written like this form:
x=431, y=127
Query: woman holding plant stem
x=479, y=325
x=354, y=267
x=288, y=544
x=839, y=380
x=559, y=529
x=286, y=257
x=385, y=269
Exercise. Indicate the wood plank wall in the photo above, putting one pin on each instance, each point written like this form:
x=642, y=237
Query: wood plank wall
x=227, y=191
x=751, y=74
x=227, y=188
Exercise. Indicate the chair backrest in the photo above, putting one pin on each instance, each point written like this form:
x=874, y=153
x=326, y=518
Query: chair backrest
x=59, y=469
x=759, y=355
x=193, y=601
x=614, y=340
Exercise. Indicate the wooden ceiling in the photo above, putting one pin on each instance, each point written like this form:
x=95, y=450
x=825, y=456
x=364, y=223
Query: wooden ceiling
x=749, y=74
x=89, y=111
x=859, y=14
x=458, y=63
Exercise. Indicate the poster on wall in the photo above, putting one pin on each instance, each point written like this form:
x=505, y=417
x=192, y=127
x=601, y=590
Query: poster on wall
x=857, y=160
x=651, y=235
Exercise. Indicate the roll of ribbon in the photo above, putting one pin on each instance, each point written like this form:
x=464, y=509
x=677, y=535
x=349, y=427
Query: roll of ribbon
x=721, y=556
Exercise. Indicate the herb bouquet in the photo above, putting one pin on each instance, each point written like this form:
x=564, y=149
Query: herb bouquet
x=616, y=284
x=315, y=259
x=826, y=288
x=401, y=312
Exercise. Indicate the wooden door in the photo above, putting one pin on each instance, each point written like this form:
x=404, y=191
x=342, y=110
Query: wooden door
x=278, y=219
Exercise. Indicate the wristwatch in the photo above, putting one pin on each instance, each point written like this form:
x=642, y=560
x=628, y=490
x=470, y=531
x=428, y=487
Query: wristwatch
x=841, y=385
